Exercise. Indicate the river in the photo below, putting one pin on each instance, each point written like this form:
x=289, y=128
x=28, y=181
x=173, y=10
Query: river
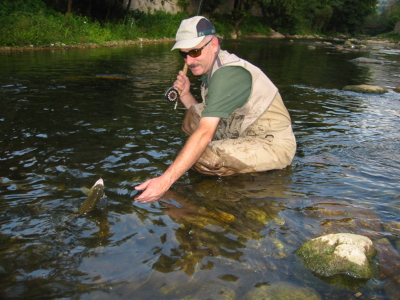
x=70, y=117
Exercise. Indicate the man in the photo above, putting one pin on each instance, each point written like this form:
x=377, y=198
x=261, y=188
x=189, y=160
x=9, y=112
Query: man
x=242, y=125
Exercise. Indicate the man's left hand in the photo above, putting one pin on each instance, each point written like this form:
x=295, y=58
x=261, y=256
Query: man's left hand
x=153, y=188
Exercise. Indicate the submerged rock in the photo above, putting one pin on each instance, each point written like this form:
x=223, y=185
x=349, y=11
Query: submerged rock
x=215, y=291
x=348, y=44
x=339, y=254
x=365, y=88
x=397, y=89
x=392, y=288
x=366, y=60
x=282, y=291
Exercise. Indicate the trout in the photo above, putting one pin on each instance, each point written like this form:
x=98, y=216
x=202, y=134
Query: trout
x=94, y=194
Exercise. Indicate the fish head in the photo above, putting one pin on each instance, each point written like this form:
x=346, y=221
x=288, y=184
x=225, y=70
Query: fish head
x=100, y=181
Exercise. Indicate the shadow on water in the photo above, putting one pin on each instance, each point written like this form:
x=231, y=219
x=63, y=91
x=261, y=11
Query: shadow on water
x=71, y=117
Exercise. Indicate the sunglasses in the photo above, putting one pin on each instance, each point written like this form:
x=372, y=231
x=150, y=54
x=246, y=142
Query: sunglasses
x=193, y=52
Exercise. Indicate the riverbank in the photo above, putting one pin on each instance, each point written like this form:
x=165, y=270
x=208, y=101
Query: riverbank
x=63, y=46
x=274, y=35
x=35, y=25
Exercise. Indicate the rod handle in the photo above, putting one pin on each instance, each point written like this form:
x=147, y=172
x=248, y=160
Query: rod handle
x=185, y=69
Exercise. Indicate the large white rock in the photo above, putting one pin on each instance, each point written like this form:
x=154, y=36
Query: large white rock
x=350, y=246
x=341, y=253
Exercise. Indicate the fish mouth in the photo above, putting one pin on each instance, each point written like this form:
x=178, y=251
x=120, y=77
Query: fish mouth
x=100, y=181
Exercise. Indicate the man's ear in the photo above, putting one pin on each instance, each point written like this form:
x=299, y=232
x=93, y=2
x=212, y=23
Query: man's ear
x=215, y=44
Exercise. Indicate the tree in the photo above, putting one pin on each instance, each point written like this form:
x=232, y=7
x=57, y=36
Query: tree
x=349, y=15
x=288, y=15
x=280, y=12
x=390, y=15
x=297, y=16
x=241, y=9
x=69, y=6
x=101, y=10
x=322, y=16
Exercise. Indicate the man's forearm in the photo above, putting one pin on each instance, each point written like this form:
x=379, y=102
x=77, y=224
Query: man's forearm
x=188, y=100
x=194, y=147
x=190, y=153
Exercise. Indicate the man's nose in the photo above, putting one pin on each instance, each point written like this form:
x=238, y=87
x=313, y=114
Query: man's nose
x=189, y=60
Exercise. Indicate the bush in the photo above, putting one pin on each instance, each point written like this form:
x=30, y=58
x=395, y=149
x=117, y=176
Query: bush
x=23, y=28
x=160, y=24
x=222, y=25
x=394, y=37
x=8, y=7
x=251, y=24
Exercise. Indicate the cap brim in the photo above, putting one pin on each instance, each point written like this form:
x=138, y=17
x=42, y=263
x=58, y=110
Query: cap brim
x=186, y=44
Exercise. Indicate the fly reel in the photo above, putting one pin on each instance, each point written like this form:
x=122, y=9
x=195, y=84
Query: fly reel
x=171, y=94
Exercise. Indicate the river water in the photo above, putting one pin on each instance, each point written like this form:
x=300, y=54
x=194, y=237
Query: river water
x=70, y=117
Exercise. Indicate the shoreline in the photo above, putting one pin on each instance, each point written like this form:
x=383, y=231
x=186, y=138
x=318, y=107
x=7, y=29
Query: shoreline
x=63, y=46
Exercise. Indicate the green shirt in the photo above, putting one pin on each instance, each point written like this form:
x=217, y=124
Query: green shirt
x=229, y=89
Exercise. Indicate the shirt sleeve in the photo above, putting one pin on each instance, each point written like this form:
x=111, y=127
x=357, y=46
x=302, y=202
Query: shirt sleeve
x=229, y=89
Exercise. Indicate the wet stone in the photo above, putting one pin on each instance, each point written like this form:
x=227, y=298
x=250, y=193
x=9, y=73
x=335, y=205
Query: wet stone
x=282, y=291
x=339, y=254
x=392, y=288
x=365, y=88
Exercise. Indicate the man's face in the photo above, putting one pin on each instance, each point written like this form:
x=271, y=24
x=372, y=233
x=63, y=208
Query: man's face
x=202, y=64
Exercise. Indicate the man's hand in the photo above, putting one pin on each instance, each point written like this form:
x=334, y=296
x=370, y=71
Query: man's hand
x=182, y=84
x=154, y=189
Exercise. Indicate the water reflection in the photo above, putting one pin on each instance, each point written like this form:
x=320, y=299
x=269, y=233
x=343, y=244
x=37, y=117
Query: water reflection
x=216, y=222
x=71, y=117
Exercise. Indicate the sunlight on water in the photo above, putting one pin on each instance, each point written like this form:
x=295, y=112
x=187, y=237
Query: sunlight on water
x=72, y=117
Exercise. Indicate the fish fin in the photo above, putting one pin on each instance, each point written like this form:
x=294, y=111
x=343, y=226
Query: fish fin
x=86, y=191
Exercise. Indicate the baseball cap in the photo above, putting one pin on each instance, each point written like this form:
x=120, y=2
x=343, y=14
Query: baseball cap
x=192, y=31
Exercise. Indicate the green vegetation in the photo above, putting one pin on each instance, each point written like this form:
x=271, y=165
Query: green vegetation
x=390, y=15
x=388, y=18
x=310, y=16
x=56, y=22
x=394, y=37
x=32, y=23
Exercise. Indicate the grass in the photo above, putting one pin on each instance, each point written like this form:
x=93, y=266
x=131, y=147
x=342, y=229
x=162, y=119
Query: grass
x=21, y=29
x=394, y=37
x=45, y=28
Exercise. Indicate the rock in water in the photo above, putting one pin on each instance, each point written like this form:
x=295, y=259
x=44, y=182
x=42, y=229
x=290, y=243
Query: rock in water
x=366, y=60
x=341, y=253
x=282, y=291
x=365, y=88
